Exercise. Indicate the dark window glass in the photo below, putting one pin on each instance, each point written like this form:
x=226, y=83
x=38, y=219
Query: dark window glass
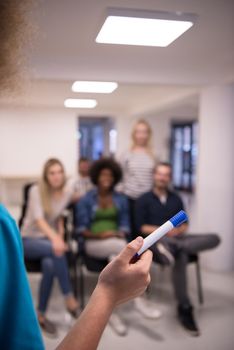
x=184, y=155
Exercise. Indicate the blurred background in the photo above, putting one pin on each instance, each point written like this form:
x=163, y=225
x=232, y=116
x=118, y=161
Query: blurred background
x=185, y=91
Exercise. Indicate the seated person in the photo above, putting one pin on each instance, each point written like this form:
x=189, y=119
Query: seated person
x=83, y=182
x=103, y=213
x=43, y=237
x=102, y=216
x=152, y=210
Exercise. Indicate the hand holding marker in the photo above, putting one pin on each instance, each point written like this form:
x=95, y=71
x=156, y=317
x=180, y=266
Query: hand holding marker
x=175, y=221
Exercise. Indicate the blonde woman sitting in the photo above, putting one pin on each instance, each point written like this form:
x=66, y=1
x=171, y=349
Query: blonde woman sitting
x=43, y=237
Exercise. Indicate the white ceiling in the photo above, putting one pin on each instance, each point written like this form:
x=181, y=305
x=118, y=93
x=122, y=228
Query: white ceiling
x=149, y=77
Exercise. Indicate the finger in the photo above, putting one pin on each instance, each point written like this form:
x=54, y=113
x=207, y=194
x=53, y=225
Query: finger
x=131, y=249
x=145, y=260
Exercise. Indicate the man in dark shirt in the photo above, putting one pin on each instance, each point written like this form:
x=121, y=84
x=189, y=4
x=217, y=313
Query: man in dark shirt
x=152, y=210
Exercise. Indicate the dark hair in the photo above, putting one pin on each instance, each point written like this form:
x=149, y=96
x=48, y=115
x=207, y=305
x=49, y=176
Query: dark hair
x=83, y=159
x=105, y=163
x=167, y=164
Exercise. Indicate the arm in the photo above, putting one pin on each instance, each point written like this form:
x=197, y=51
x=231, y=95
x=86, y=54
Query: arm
x=141, y=217
x=59, y=247
x=119, y=282
x=83, y=216
x=61, y=230
x=123, y=217
x=147, y=229
x=25, y=332
x=102, y=235
x=40, y=221
x=178, y=230
x=182, y=228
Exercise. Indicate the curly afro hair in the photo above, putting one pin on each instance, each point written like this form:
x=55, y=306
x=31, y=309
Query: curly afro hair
x=105, y=163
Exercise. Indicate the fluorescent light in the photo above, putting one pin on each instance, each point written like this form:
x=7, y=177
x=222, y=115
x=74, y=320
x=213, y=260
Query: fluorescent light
x=79, y=103
x=94, y=86
x=144, y=28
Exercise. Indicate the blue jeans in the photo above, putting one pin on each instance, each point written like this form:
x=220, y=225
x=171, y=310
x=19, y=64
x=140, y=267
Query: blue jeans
x=51, y=266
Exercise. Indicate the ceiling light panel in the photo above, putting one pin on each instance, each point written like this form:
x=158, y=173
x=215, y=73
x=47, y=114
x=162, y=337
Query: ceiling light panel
x=144, y=28
x=94, y=86
x=80, y=103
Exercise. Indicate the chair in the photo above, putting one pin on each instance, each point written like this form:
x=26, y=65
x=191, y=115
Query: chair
x=194, y=258
x=92, y=264
x=32, y=266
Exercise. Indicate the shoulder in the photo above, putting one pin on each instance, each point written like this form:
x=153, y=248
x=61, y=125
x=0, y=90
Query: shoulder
x=10, y=232
x=71, y=183
x=33, y=190
x=4, y=214
x=119, y=195
x=90, y=196
x=124, y=156
x=175, y=196
x=145, y=197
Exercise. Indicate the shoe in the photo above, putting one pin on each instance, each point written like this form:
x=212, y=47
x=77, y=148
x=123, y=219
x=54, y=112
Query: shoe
x=117, y=325
x=185, y=315
x=74, y=313
x=72, y=306
x=146, y=308
x=164, y=257
x=48, y=327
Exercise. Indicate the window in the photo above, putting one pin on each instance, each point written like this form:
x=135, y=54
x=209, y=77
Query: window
x=184, y=154
x=96, y=137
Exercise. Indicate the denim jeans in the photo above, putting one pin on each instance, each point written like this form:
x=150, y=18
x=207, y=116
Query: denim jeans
x=51, y=266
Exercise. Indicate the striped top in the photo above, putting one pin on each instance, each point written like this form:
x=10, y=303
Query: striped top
x=137, y=173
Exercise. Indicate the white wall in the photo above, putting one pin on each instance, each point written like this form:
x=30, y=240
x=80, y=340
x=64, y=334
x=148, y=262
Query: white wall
x=29, y=136
x=215, y=189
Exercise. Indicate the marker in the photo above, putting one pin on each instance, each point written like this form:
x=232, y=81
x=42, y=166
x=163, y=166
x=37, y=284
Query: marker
x=175, y=221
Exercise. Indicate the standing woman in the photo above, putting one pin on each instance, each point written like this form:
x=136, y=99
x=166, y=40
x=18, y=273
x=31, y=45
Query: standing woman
x=138, y=164
x=43, y=237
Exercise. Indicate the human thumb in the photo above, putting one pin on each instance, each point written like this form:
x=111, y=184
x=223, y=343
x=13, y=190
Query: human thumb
x=131, y=249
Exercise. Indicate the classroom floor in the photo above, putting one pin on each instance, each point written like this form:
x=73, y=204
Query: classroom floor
x=215, y=317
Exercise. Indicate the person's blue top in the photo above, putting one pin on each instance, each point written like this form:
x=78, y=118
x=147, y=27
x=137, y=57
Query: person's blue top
x=87, y=206
x=19, y=328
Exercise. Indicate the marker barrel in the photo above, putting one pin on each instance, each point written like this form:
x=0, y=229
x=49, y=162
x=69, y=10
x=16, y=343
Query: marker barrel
x=175, y=221
x=155, y=236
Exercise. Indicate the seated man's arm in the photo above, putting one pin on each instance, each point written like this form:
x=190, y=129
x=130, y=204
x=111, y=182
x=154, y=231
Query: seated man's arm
x=178, y=230
x=182, y=228
x=147, y=229
x=141, y=217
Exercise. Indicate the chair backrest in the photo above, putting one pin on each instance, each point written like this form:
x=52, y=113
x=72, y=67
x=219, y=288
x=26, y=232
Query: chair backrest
x=26, y=189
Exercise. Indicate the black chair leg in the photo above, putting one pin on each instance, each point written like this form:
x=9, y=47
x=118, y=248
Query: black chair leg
x=81, y=284
x=199, y=283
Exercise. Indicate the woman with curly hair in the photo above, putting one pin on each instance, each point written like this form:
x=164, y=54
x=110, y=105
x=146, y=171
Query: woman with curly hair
x=103, y=213
x=103, y=218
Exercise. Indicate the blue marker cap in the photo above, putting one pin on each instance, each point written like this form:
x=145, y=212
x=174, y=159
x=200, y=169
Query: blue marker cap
x=179, y=218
